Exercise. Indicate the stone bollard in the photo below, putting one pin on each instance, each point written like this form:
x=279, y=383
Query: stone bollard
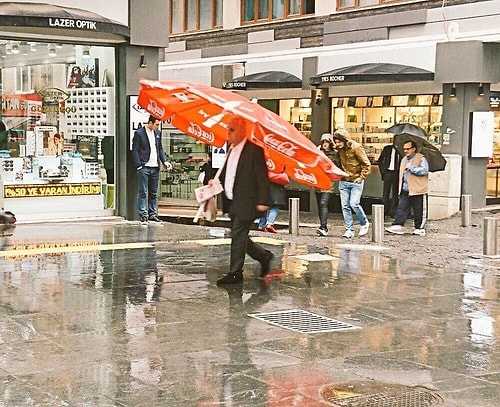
x=293, y=227
x=466, y=210
x=377, y=223
x=490, y=236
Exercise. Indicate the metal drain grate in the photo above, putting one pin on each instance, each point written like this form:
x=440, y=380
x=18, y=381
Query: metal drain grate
x=302, y=321
x=388, y=395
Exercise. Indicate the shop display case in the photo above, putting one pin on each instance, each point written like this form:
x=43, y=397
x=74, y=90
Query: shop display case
x=90, y=112
x=31, y=186
x=368, y=125
x=300, y=117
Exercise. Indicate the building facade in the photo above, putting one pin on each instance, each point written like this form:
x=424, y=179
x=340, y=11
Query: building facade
x=362, y=66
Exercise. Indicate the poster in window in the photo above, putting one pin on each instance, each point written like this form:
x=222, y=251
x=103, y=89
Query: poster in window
x=85, y=75
x=87, y=146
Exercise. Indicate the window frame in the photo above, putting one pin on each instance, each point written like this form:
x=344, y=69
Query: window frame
x=213, y=23
x=286, y=9
x=357, y=6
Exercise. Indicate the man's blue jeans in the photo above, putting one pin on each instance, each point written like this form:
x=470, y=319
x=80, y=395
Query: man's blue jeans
x=147, y=191
x=350, y=197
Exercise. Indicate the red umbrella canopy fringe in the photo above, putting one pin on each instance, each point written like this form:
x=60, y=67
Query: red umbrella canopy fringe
x=202, y=112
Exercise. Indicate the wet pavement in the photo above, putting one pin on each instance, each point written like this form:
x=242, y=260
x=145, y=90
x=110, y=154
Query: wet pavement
x=112, y=313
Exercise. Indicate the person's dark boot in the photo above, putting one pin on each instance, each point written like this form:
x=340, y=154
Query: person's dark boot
x=266, y=264
x=231, y=278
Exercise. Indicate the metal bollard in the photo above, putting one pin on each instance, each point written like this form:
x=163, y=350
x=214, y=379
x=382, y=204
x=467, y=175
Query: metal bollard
x=293, y=227
x=377, y=223
x=466, y=210
x=490, y=236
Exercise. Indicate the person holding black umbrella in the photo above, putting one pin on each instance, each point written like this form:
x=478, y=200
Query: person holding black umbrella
x=413, y=190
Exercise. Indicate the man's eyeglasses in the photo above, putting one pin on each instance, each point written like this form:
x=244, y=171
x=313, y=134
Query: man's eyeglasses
x=407, y=148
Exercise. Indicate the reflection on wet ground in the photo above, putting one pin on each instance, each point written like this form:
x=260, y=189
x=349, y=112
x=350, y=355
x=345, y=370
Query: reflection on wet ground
x=118, y=314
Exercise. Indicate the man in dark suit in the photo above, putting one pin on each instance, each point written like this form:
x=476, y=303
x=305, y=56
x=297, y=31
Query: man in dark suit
x=148, y=153
x=388, y=164
x=246, y=197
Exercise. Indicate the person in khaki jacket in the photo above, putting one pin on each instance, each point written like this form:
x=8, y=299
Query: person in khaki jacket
x=413, y=189
x=356, y=164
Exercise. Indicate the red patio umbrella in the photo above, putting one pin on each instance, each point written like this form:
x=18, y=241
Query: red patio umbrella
x=201, y=111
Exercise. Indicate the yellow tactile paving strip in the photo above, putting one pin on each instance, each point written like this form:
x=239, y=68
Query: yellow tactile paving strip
x=70, y=248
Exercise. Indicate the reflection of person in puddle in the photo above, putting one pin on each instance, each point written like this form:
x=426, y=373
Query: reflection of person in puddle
x=138, y=285
x=241, y=385
x=348, y=263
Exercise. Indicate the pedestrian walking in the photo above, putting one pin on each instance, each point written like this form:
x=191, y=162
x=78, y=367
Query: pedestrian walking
x=323, y=196
x=278, y=198
x=147, y=154
x=246, y=196
x=388, y=164
x=356, y=164
x=414, y=187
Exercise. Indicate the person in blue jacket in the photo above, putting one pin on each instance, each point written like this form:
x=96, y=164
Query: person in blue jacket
x=148, y=155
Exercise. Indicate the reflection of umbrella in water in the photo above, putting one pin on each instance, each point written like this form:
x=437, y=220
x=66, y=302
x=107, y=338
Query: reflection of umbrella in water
x=434, y=157
x=407, y=128
x=201, y=112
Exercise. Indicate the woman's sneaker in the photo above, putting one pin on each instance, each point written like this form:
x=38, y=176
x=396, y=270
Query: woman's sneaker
x=322, y=231
x=419, y=232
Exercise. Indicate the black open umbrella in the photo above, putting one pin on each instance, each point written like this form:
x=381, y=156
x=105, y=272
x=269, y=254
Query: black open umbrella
x=407, y=128
x=434, y=157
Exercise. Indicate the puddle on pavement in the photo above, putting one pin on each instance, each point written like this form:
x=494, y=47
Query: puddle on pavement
x=162, y=295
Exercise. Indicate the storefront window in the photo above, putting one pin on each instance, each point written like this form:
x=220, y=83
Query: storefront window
x=367, y=118
x=298, y=113
x=57, y=109
x=493, y=171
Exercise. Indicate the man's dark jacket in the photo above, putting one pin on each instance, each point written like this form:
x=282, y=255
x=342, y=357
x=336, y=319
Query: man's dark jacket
x=384, y=160
x=251, y=184
x=141, y=149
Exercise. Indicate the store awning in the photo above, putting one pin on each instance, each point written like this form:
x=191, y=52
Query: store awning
x=265, y=80
x=49, y=19
x=373, y=72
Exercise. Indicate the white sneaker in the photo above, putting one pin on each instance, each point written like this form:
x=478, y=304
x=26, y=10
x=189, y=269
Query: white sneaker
x=363, y=230
x=419, y=232
x=322, y=232
x=396, y=229
x=348, y=234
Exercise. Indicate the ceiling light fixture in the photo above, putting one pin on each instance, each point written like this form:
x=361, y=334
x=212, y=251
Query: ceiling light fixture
x=52, y=50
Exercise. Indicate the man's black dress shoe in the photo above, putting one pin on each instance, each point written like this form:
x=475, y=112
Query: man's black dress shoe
x=266, y=264
x=231, y=278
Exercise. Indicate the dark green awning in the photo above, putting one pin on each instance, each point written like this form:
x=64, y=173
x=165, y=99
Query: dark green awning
x=373, y=72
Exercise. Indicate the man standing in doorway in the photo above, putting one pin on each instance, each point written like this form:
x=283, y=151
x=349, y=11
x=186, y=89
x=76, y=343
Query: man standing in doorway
x=148, y=153
x=414, y=186
x=356, y=164
x=246, y=197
